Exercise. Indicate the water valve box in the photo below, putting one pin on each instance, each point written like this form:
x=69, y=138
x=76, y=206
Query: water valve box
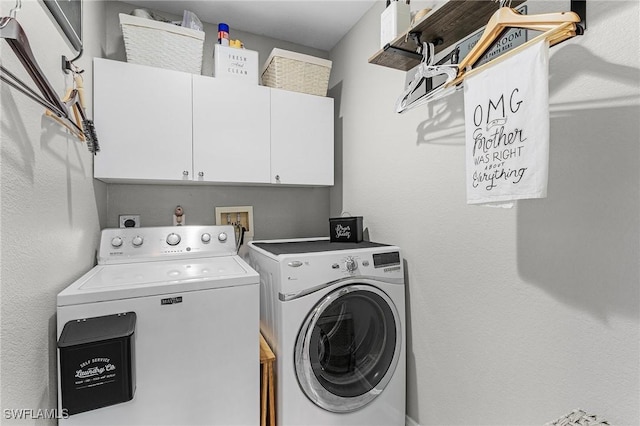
x=345, y=229
x=97, y=362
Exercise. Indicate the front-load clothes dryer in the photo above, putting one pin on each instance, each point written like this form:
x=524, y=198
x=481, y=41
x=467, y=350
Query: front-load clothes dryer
x=163, y=331
x=334, y=315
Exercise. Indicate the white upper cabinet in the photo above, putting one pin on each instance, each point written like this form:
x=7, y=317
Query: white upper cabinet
x=301, y=139
x=162, y=126
x=231, y=127
x=143, y=121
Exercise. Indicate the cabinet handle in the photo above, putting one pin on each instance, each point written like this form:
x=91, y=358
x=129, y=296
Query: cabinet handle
x=185, y=173
x=201, y=174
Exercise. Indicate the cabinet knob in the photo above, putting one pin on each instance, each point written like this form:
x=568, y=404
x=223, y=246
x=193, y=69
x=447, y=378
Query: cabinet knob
x=278, y=178
x=185, y=173
x=200, y=174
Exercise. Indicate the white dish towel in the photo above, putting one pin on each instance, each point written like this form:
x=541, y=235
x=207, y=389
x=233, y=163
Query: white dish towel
x=507, y=129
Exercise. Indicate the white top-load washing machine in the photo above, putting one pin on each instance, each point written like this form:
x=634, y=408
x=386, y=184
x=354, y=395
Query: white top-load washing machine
x=334, y=315
x=163, y=331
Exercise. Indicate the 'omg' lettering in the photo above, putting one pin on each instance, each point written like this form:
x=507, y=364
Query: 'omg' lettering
x=496, y=111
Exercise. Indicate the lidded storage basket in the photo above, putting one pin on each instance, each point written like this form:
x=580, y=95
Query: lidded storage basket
x=163, y=45
x=296, y=72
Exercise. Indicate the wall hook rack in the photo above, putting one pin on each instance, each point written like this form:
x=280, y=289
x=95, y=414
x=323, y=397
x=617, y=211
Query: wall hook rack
x=452, y=22
x=580, y=7
x=554, y=27
x=68, y=64
x=413, y=54
x=82, y=128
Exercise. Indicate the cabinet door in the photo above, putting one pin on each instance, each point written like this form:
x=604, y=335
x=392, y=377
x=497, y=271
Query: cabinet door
x=230, y=131
x=301, y=138
x=143, y=121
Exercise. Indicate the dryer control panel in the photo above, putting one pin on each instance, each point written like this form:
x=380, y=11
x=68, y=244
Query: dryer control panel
x=125, y=245
x=304, y=272
x=307, y=264
x=359, y=263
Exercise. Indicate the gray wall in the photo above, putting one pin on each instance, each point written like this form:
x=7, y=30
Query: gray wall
x=279, y=212
x=514, y=316
x=50, y=211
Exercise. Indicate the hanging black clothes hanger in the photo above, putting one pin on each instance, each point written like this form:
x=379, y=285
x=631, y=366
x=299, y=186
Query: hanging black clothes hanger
x=11, y=31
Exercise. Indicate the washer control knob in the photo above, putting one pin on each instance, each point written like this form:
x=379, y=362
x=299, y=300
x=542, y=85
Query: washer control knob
x=116, y=242
x=173, y=239
x=137, y=241
x=206, y=237
x=351, y=264
x=222, y=237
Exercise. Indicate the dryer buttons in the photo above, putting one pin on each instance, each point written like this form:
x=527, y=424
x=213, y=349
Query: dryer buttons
x=351, y=264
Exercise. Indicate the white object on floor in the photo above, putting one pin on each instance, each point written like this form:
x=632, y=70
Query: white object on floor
x=578, y=418
x=507, y=129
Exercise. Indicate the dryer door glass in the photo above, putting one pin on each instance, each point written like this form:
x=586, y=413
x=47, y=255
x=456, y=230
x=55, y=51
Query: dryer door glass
x=348, y=347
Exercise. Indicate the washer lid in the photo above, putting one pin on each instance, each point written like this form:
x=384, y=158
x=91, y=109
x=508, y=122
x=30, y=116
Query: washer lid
x=124, y=281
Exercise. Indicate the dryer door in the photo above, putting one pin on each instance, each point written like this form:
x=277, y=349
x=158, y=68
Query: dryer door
x=348, y=347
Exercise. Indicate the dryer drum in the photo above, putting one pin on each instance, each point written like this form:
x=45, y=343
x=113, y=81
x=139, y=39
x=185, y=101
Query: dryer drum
x=348, y=347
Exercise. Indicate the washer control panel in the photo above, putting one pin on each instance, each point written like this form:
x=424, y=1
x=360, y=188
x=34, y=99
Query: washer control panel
x=124, y=245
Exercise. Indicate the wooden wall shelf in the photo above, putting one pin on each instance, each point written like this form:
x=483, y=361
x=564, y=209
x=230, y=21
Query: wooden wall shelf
x=450, y=23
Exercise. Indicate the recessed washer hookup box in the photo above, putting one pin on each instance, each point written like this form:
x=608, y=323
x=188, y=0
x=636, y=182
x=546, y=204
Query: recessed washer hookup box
x=345, y=229
x=97, y=362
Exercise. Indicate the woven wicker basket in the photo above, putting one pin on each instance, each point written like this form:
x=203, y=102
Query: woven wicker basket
x=296, y=72
x=163, y=45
